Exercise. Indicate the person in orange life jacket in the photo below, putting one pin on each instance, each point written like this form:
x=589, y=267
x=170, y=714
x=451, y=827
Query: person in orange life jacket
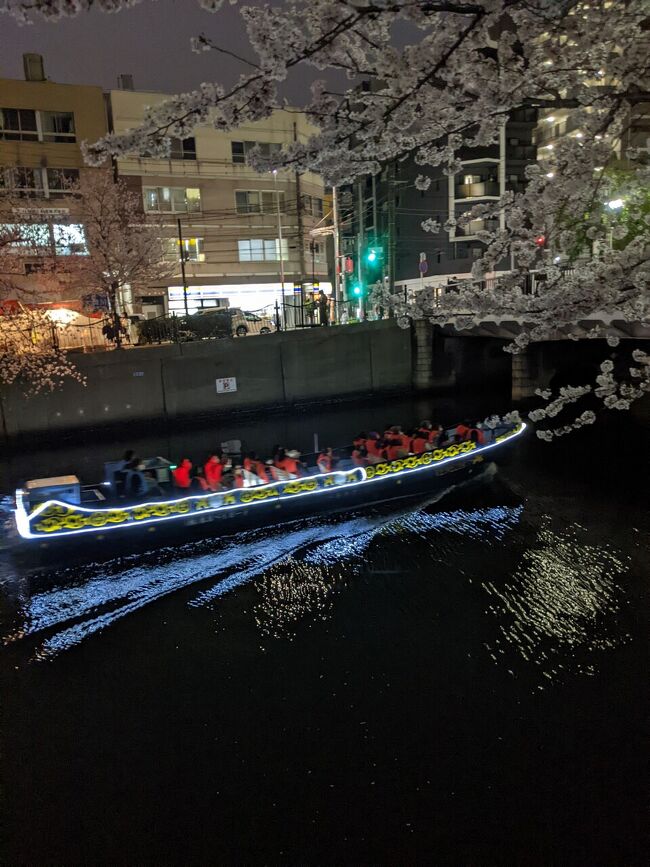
x=419, y=442
x=476, y=435
x=462, y=431
x=359, y=451
x=277, y=474
x=213, y=472
x=290, y=463
x=374, y=448
x=182, y=474
x=397, y=444
x=325, y=460
x=253, y=464
x=436, y=436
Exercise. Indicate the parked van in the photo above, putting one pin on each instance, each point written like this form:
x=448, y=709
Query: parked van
x=242, y=322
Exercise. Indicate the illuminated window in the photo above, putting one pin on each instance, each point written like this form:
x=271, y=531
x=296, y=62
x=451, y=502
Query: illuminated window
x=62, y=181
x=69, y=240
x=173, y=200
x=192, y=247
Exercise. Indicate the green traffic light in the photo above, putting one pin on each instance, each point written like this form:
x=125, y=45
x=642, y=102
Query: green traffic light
x=357, y=290
x=372, y=256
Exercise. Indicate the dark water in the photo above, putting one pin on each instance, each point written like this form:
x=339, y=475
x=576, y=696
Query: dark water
x=461, y=682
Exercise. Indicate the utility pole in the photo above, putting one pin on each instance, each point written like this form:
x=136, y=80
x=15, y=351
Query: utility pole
x=182, y=252
x=391, y=225
x=301, y=240
x=277, y=203
x=359, y=232
x=337, y=253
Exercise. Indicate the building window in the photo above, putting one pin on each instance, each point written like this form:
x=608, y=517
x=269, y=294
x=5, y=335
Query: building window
x=192, y=247
x=69, y=240
x=183, y=149
x=472, y=179
x=240, y=149
x=18, y=124
x=258, y=201
x=62, y=181
x=22, y=181
x=259, y=250
x=58, y=126
x=174, y=200
x=38, y=238
x=312, y=205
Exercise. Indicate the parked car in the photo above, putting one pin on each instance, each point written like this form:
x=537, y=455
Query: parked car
x=242, y=322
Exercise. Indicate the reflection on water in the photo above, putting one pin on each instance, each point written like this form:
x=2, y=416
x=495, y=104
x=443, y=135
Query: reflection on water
x=554, y=594
x=299, y=567
x=560, y=604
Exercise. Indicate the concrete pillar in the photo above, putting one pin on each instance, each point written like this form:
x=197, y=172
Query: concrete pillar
x=524, y=375
x=423, y=355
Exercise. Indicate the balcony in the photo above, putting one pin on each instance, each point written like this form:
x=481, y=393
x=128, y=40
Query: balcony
x=481, y=190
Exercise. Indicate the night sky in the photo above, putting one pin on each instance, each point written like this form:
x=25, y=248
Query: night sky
x=151, y=41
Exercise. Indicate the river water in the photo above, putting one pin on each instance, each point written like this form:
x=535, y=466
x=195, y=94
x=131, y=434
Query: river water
x=458, y=682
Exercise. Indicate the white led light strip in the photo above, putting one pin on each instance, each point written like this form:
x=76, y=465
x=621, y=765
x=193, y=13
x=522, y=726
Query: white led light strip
x=23, y=520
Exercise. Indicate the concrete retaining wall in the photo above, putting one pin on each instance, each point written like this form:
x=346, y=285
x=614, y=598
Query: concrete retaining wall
x=176, y=381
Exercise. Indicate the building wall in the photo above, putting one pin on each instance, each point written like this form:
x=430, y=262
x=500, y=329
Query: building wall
x=46, y=205
x=400, y=208
x=177, y=382
x=218, y=223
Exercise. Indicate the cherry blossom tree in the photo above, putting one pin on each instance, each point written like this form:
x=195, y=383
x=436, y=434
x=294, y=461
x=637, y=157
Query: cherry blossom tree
x=125, y=249
x=444, y=76
x=29, y=348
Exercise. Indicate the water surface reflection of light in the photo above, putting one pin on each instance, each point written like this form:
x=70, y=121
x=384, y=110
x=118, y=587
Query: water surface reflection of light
x=560, y=606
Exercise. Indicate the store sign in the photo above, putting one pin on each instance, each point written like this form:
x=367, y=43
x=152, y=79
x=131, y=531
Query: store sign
x=226, y=385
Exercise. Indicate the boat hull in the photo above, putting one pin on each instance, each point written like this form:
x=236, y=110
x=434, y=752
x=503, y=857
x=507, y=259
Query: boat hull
x=56, y=528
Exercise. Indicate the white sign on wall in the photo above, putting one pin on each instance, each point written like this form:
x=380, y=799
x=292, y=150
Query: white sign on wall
x=226, y=385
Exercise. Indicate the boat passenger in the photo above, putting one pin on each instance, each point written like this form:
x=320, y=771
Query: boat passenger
x=476, y=435
x=198, y=482
x=182, y=474
x=213, y=472
x=393, y=448
x=374, y=448
x=119, y=474
x=325, y=460
x=436, y=436
x=138, y=482
x=238, y=477
x=254, y=465
x=462, y=431
x=419, y=442
x=359, y=453
x=291, y=464
x=277, y=474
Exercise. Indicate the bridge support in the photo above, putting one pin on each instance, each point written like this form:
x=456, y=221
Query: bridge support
x=423, y=355
x=524, y=375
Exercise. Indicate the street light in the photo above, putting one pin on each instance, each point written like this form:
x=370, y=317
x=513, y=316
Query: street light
x=615, y=204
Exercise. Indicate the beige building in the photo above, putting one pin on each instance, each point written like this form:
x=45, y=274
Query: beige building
x=42, y=125
x=241, y=232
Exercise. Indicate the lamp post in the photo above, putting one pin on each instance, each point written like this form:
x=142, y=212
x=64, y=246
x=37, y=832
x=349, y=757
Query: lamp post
x=277, y=203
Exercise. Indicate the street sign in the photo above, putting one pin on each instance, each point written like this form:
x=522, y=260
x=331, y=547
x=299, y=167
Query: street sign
x=424, y=267
x=226, y=385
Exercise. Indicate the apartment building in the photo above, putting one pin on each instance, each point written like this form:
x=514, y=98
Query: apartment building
x=388, y=210
x=42, y=125
x=242, y=234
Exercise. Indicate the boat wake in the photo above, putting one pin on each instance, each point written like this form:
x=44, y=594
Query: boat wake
x=79, y=602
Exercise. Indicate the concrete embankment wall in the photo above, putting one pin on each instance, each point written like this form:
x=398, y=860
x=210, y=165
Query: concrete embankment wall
x=174, y=382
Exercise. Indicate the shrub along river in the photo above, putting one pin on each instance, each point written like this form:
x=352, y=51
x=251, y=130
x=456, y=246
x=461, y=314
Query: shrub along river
x=458, y=682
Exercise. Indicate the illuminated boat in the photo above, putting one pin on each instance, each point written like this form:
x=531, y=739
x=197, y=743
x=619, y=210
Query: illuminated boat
x=55, y=522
